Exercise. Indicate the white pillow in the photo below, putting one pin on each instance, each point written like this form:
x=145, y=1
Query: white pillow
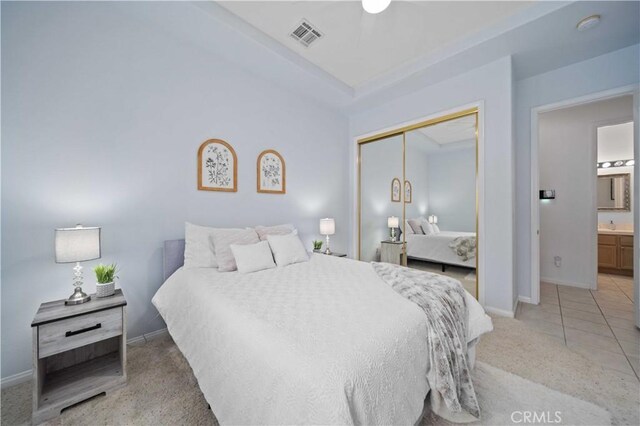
x=263, y=231
x=252, y=257
x=435, y=228
x=427, y=228
x=222, y=240
x=198, y=246
x=414, y=224
x=407, y=228
x=287, y=249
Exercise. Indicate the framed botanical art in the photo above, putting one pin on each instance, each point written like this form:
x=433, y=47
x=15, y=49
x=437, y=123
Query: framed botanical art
x=217, y=166
x=407, y=191
x=396, y=190
x=271, y=173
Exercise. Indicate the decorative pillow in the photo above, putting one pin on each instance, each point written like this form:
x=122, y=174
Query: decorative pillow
x=198, y=247
x=253, y=257
x=222, y=240
x=263, y=231
x=427, y=228
x=287, y=249
x=407, y=228
x=415, y=226
x=436, y=229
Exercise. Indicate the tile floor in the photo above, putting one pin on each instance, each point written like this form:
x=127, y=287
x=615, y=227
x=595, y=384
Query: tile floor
x=595, y=323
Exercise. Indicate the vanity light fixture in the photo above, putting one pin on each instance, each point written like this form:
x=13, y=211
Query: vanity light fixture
x=617, y=163
x=375, y=6
x=588, y=23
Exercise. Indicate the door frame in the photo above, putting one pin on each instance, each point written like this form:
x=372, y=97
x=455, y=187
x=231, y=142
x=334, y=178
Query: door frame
x=535, y=182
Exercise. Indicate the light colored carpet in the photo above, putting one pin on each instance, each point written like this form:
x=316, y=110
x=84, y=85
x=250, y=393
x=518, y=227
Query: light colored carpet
x=504, y=398
x=161, y=389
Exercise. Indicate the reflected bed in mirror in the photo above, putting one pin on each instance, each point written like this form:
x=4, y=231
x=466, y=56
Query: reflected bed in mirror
x=437, y=162
x=614, y=192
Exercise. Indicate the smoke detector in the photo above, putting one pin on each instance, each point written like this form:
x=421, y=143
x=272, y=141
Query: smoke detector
x=306, y=33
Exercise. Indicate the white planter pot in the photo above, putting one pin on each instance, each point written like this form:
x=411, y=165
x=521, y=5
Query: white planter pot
x=106, y=289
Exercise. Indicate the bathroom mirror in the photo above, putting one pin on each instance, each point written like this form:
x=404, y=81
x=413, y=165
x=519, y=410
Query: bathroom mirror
x=614, y=192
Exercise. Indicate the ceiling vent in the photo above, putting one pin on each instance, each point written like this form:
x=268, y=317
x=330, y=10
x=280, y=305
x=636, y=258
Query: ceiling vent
x=306, y=33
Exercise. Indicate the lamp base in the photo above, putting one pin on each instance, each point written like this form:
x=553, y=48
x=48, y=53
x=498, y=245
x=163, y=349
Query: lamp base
x=77, y=297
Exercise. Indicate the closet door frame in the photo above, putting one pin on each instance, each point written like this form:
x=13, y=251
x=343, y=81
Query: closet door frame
x=471, y=109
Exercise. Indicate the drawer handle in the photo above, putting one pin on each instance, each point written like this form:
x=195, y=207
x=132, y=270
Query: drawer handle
x=84, y=330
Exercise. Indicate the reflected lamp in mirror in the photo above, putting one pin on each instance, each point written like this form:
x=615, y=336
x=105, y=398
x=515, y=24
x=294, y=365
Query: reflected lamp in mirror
x=75, y=245
x=393, y=223
x=614, y=192
x=547, y=194
x=327, y=227
x=432, y=219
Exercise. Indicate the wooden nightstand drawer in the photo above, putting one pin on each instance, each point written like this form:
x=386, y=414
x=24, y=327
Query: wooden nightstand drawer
x=71, y=333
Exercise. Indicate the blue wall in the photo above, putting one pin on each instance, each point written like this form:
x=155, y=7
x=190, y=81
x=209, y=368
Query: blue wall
x=102, y=120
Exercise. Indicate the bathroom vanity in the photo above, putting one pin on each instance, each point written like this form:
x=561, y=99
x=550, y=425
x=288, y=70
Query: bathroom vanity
x=615, y=251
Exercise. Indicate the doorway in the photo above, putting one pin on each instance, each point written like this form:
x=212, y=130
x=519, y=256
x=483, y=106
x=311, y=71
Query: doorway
x=579, y=190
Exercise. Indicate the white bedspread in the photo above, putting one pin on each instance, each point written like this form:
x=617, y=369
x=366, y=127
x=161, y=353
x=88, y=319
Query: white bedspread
x=325, y=342
x=435, y=247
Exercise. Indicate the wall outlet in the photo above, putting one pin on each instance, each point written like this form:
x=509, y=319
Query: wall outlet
x=557, y=260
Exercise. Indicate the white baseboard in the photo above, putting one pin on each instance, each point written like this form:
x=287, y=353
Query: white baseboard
x=567, y=283
x=16, y=379
x=524, y=299
x=26, y=375
x=156, y=333
x=500, y=312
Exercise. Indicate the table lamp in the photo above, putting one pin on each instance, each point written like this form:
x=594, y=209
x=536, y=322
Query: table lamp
x=393, y=223
x=327, y=227
x=77, y=245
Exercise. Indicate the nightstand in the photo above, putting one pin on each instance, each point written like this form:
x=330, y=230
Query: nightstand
x=333, y=253
x=392, y=252
x=79, y=351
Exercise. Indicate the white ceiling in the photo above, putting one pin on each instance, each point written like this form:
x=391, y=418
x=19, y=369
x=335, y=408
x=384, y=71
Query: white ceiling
x=458, y=130
x=358, y=47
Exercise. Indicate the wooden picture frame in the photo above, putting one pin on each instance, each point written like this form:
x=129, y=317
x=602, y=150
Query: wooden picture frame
x=271, y=173
x=408, y=192
x=396, y=190
x=217, y=166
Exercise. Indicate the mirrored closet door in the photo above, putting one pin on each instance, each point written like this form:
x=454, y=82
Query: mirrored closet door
x=425, y=175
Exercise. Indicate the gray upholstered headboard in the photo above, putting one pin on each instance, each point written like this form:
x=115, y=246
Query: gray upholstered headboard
x=172, y=257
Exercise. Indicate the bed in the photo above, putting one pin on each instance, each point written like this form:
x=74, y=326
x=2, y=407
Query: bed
x=320, y=342
x=435, y=248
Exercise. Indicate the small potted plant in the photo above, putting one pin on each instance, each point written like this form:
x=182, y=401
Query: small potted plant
x=106, y=276
x=317, y=245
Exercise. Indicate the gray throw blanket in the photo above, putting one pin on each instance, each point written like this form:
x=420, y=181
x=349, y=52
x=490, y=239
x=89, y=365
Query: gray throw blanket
x=443, y=301
x=464, y=247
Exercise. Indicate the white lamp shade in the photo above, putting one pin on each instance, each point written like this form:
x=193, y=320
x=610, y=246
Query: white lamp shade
x=327, y=226
x=433, y=219
x=392, y=222
x=77, y=244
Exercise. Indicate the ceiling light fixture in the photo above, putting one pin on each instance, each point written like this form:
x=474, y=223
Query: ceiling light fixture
x=375, y=6
x=588, y=22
